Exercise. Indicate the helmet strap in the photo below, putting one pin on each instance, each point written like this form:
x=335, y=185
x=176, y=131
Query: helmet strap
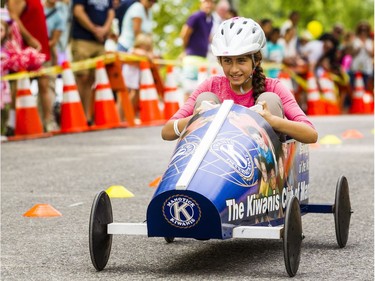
x=250, y=77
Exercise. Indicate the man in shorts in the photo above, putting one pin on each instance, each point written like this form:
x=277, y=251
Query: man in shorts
x=91, y=25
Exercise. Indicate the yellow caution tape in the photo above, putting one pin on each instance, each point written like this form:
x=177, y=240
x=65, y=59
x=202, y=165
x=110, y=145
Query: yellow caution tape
x=125, y=57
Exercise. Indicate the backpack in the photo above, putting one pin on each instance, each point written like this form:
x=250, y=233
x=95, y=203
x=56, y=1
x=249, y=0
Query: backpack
x=121, y=11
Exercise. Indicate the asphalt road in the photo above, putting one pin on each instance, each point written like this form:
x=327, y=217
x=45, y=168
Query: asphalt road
x=67, y=171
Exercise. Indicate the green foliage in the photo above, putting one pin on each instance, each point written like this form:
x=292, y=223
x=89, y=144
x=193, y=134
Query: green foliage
x=170, y=15
x=169, y=18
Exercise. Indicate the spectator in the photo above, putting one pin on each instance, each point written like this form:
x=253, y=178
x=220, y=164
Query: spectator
x=274, y=53
x=90, y=27
x=132, y=74
x=195, y=35
x=232, y=12
x=111, y=44
x=266, y=25
x=363, y=55
x=5, y=95
x=304, y=38
x=315, y=49
x=219, y=14
x=64, y=7
x=138, y=19
x=346, y=51
x=55, y=27
x=288, y=41
x=292, y=20
x=120, y=11
x=30, y=18
x=338, y=31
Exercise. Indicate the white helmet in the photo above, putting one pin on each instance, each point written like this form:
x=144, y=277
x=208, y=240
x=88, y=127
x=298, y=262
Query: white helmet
x=238, y=36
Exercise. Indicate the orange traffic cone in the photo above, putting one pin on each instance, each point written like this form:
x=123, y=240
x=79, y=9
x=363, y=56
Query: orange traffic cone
x=171, y=104
x=27, y=115
x=148, y=97
x=73, y=118
x=42, y=211
x=315, y=106
x=214, y=71
x=352, y=134
x=286, y=80
x=106, y=115
x=202, y=74
x=329, y=95
x=155, y=182
x=368, y=102
x=359, y=91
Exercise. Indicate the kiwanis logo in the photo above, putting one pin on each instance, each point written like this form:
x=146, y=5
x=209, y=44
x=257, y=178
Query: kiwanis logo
x=181, y=211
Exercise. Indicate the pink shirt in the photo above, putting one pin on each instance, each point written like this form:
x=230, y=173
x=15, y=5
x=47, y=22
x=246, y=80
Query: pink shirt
x=220, y=86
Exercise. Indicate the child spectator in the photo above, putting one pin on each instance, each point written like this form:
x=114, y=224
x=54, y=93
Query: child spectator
x=132, y=73
x=55, y=27
x=363, y=55
x=274, y=52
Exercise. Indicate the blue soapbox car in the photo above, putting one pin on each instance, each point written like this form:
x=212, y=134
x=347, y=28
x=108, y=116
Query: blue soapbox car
x=229, y=177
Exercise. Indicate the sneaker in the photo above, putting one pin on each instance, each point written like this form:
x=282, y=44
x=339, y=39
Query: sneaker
x=9, y=131
x=57, y=112
x=51, y=126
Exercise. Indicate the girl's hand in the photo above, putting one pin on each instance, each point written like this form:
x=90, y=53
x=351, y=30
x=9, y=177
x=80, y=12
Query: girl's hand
x=265, y=113
x=32, y=42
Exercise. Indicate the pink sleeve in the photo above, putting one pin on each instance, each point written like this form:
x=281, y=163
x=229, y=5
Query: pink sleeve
x=292, y=110
x=188, y=108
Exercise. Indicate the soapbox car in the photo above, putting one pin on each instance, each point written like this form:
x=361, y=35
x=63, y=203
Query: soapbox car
x=229, y=177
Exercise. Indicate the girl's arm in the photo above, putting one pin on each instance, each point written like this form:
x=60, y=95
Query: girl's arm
x=168, y=133
x=297, y=130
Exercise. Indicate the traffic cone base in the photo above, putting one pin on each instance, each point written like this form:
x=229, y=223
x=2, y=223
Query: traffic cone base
x=42, y=211
x=28, y=122
x=368, y=103
x=315, y=105
x=330, y=100
x=358, y=94
x=24, y=126
x=71, y=121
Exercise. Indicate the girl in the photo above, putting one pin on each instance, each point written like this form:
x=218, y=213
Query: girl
x=237, y=44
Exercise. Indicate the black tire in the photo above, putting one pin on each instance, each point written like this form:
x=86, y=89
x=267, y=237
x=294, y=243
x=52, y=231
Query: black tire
x=342, y=211
x=99, y=240
x=169, y=239
x=293, y=236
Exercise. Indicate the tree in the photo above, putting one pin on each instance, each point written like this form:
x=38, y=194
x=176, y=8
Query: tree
x=170, y=15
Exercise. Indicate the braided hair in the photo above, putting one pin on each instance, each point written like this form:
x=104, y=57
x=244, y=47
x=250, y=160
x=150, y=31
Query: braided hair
x=259, y=79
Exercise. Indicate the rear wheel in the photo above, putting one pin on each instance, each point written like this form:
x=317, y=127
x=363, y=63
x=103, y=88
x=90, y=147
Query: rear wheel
x=342, y=211
x=293, y=236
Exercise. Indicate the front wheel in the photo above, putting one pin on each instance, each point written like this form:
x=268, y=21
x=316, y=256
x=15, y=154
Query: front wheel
x=169, y=239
